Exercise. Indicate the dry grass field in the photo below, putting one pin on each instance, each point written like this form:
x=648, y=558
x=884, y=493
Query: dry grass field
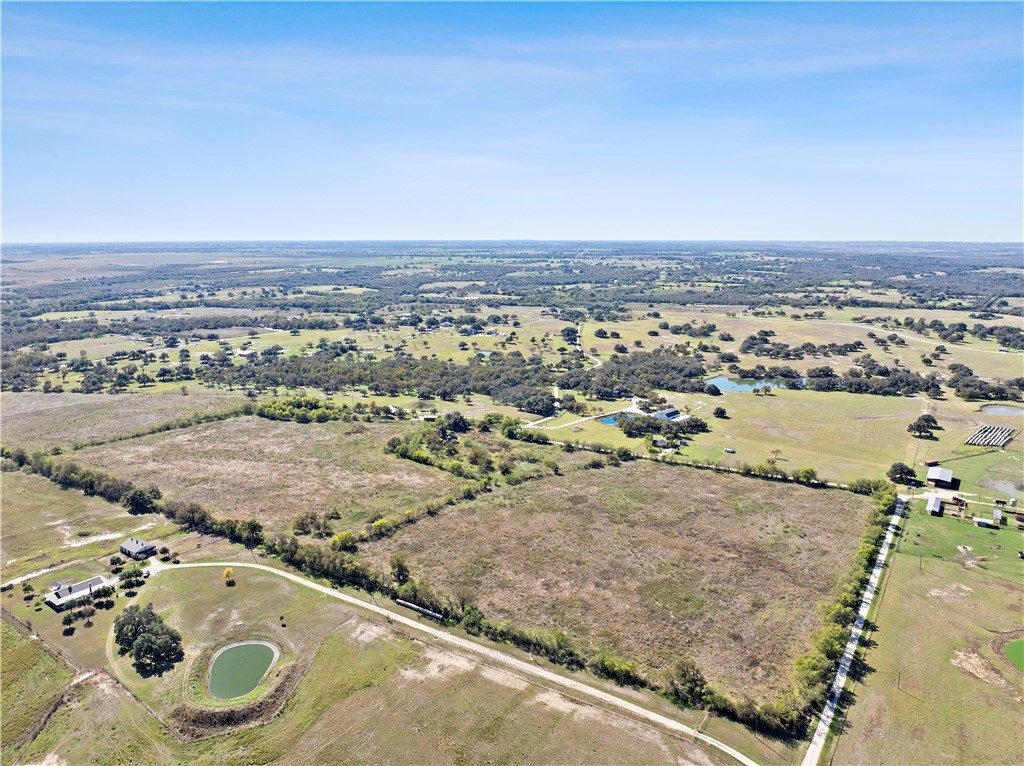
x=251, y=468
x=651, y=561
x=44, y=524
x=39, y=421
x=31, y=680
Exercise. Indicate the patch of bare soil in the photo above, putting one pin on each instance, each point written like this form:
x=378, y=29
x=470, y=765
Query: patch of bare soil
x=440, y=665
x=190, y=722
x=975, y=665
x=953, y=592
x=51, y=759
x=966, y=558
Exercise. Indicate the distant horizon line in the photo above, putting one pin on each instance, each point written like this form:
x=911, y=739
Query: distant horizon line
x=509, y=240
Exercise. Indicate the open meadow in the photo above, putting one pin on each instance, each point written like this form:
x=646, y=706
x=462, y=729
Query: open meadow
x=272, y=471
x=40, y=421
x=652, y=562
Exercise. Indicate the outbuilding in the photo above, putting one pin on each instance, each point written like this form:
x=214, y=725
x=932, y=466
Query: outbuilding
x=940, y=477
x=934, y=505
x=137, y=549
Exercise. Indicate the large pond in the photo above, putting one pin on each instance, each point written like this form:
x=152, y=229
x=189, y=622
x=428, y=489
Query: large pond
x=1002, y=409
x=238, y=669
x=740, y=384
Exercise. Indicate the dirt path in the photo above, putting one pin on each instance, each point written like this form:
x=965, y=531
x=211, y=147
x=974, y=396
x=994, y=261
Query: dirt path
x=493, y=655
x=41, y=572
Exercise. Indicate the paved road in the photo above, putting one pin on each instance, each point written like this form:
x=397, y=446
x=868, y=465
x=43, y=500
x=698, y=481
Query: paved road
x=492, y=655
x=818, y=741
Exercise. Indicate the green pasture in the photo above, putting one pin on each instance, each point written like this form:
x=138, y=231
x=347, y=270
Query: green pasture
x=937, y=689
x=955, y=543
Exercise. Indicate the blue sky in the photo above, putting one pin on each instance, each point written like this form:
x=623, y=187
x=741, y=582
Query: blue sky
x=126, y=122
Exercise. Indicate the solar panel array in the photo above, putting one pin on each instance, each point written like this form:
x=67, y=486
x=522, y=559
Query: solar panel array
x=991, y=436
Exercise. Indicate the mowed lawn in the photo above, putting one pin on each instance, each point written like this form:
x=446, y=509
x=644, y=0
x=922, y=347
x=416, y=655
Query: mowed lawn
x=253, y=468
x=653, y=562
x=31, y=680
x=940, y=630
x=40, y=421
x=44, y=525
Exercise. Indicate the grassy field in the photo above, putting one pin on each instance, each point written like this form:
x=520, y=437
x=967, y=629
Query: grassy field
x=45, y=525
x=85, y=645
x=984, y=551
x=209, y=615
x=941, y=624
x=39, y=421
x=846, y=436
x=650, y=561
x=31, y=680
x=372, y=695
x=252, y=468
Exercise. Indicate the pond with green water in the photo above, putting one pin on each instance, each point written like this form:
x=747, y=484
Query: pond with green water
x=1015, y=652
x=239, y=669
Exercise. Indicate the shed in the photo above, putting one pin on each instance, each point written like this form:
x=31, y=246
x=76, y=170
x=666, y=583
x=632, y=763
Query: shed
x=934, y=505
x=940, y=477
x=134, y=548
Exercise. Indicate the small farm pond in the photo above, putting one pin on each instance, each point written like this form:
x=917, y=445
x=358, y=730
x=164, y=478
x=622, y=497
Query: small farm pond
x=1002, y=409
x=740, y=384
x=239, y=668
x=1015, y=652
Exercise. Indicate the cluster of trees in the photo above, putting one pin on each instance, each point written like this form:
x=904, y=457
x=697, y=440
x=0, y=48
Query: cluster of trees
x=923, y=426
x=770, y=469
x=509, y=378
x=438, y=445
x=760, y=372
x=638, y=374
x=143, y=634
x=972, y=388
x=639, y=426
x=301, y=409
x=759, y=345
x=312, y=523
